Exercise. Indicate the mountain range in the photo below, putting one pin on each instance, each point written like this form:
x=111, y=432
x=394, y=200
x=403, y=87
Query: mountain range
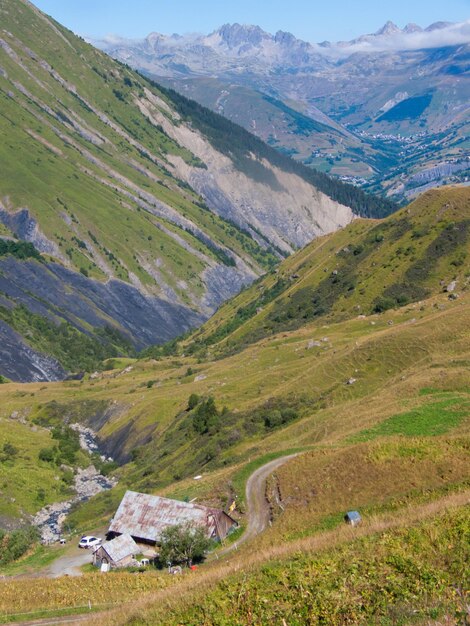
x=388, y=111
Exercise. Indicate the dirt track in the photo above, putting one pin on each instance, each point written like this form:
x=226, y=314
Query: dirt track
x=258, y=508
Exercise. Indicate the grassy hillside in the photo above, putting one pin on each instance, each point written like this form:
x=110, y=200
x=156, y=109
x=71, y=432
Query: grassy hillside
x=70, y=142
x=365, y=268
x=353, y=383
x=378, y=407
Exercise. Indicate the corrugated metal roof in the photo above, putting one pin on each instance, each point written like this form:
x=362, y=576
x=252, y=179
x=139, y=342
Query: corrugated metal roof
x=120, y=548
x=145, y=516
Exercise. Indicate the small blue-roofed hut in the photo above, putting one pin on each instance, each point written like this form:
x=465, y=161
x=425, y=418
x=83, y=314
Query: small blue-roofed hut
x=353, y=518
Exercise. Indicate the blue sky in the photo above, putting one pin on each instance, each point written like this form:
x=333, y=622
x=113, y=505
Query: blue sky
x=312, y=20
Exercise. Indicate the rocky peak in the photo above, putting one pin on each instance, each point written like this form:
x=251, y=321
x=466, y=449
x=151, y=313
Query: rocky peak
x=438, y=26
x=284, y=38
x=155, y=40
x=388, y=29
x=235, y=35
x=412, y=28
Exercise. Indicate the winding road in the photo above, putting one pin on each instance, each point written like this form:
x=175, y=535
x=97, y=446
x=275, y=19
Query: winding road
x=257, y=506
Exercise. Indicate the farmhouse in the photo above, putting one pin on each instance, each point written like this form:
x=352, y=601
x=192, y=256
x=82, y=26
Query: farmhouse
x=119, y=552
x=144, y=517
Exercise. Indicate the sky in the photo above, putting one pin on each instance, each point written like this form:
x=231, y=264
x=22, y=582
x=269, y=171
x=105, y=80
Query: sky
x=311, y=20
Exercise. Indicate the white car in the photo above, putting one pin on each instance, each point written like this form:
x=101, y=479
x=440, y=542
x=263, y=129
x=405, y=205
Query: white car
x=89, y=542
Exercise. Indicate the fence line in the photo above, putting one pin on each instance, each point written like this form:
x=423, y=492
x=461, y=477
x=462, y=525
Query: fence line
x=90, y=606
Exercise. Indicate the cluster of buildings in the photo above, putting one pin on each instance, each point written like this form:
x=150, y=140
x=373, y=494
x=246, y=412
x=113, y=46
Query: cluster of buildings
x=137, y=527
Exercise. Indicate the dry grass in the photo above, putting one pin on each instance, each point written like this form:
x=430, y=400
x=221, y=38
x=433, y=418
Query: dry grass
x=318, y=487
x=192, y=588
x=17, y=596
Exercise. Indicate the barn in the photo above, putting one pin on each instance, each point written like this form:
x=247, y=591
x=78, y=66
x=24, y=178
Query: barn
x=144, y=517
x=119, y=552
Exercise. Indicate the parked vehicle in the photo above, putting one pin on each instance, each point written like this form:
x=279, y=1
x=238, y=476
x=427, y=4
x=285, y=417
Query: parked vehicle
x=88, y=541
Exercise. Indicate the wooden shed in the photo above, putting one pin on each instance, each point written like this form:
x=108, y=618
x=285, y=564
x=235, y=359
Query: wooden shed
x=119, y=552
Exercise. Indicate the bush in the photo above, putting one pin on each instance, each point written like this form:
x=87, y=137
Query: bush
x=9, y=452
x=273, y=419
x=383, y=304
x=47, y=454
x=279, y=417
x=15, y=544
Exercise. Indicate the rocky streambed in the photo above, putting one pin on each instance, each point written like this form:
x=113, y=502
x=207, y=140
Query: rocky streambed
x=51, y=519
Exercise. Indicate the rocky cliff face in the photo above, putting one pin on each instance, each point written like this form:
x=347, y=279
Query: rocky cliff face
x=283, y=207
x=60, y=294
x=19, y=362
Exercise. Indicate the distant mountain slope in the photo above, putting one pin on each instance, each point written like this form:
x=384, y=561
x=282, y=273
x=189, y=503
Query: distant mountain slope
x=394, y=103
x=130, y=200
x=369, y=266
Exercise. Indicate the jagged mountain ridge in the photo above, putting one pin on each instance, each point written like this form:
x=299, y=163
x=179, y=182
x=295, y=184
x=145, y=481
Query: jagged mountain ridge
x=202, y=54
x=393, y=103
x=132, y=195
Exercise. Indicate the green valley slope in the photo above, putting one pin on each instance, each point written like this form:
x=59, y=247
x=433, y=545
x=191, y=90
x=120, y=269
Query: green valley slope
x=376, y=403
x=368, y=267
x=326, y=378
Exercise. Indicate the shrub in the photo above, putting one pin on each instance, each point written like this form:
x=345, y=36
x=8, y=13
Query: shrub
x=47, y=454
x=193, y=401
x=16, y=543
x=383, y=304
x=9, y=452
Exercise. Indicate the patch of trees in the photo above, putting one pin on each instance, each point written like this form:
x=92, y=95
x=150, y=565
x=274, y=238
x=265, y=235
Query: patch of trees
x=207, y=419
x=15, y=544
x=66, y=449
x=19, y=249
x=75, y=350
x=408, y=109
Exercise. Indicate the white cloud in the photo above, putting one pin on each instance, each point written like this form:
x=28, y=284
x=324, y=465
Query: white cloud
x=451, y=35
